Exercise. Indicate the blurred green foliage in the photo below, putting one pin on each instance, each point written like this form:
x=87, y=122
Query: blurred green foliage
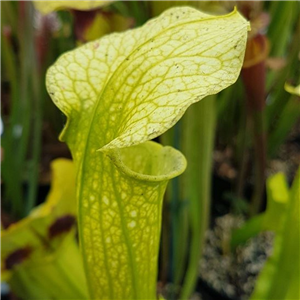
x=280, y=276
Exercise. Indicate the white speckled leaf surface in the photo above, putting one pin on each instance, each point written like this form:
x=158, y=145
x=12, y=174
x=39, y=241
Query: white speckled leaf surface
x=146, y=78
x=121, y=91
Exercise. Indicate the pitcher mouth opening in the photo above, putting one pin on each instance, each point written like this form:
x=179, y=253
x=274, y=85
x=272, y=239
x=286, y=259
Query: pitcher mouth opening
x=149, y=161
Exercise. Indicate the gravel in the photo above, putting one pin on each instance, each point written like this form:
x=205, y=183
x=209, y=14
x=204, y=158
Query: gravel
x=233, y=274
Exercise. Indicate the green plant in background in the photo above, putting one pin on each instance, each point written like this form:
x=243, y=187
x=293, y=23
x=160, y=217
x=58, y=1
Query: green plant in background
x=22, y=71
x=273, y=111
x=119, y=92
x=47, y=7
x=92, y=19
x=280, y=276
x=30, y=43
x=290, y=112
x=294, y=90
x=40, y=257
x=271, y=219
x=282, y=110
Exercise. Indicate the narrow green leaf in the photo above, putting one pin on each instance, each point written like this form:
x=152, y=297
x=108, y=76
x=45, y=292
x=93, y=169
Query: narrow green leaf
x=199, y=130
x=294, y=90
x=288, y=117
x=272, y=218
x=278, y=199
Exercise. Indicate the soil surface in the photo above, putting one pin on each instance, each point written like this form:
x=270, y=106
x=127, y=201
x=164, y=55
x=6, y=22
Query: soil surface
x=233, y=274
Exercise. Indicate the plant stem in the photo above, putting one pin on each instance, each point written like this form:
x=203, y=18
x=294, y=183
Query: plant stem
x=254, y=81
x=200, y=132
x=260, y=162
x=242, y=153
x=287, y=118
x=37, y=99
x=139, y=14
x=176, y=241
x=13, y=184
x=278, y=98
